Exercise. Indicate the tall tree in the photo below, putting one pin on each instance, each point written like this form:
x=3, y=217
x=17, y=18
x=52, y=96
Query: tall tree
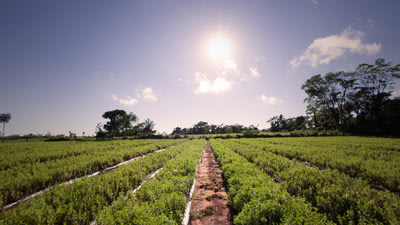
x=375, y=87
x=352, y=101
x=146, y=128
x=378, y=78
x=321, y=95
x=4, y=118
x=120, y=122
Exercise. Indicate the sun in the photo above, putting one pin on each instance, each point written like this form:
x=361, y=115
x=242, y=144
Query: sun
x=219, y=48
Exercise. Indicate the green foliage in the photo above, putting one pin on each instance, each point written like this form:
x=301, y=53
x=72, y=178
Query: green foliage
x=121, y=124
x=80, y=202
x=26, y=168
x=279, y=123
x=162, y=200
x=4, y=118
x=353, y=101
x=342, y=198
x=254, y=196
x=373, y=159
x=203, y=128
x=250, y=133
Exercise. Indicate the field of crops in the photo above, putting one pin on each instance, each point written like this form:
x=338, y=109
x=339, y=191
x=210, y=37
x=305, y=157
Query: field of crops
x=27, y=167
x=309, y=180
x=339, y=189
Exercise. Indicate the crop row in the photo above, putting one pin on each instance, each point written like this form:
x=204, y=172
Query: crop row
x=18, y=153
x=343, y=199
x=256, y=198
x=163, y=199
x=375, y=160
x=80, y=202
x=20, y=181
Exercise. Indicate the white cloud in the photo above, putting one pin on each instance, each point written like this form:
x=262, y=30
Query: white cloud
x=323, y=50
x=396, y=93
x=148, y=95
x=254, y=72
x=218, y=86
x=371, y=22
x=127, y=102
x=269, y=100
x=230, y=64
x=315, y=2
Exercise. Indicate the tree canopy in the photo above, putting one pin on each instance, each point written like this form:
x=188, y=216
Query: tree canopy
x=357, y=102
x=122, y=124
x=5, y=118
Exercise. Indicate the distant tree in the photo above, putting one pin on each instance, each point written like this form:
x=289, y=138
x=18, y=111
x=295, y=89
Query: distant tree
x=201, y=128
x=4, y=118
x=100, y=133
x=120, y=122
x=278, y=123
x=147, y=128
x=213, y=129
x=177, y=130
x=204, y=128
x=72, y=135
x=237, y=128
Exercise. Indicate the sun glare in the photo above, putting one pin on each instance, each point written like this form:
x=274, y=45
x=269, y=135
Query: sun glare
x=219, y=48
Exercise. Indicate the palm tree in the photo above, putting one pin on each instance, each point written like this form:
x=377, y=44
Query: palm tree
x=4, y=118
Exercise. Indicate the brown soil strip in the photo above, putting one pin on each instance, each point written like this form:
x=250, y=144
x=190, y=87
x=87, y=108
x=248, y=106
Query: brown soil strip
x=209, y=204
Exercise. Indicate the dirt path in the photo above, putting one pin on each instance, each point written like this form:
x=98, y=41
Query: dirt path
x=210, y=204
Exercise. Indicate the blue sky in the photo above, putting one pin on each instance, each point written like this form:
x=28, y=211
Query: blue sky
x=64, y=63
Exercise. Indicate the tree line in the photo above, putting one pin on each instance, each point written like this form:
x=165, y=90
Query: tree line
x=357, y=102
x=204, y=128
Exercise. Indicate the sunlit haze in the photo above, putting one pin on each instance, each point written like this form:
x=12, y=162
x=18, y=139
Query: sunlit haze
x=64, y=63
x=219, y=48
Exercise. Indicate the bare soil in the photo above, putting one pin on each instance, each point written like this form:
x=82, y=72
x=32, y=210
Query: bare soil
x=209, y=204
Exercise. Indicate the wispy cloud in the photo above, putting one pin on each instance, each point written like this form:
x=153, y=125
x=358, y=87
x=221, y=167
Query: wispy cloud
x=148, y=95
x=323, y=50
x=315, y=2
x=254, y=72
x=127, y=101
x=208, y=86
x=371, y=22
x=396, y=93
x=269, y=100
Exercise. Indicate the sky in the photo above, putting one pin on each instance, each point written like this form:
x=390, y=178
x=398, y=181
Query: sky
x=64, y=63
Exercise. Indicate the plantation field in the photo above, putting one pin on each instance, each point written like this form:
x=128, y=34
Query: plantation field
x=341, y=191
x=27, y=167
x=308, y=180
